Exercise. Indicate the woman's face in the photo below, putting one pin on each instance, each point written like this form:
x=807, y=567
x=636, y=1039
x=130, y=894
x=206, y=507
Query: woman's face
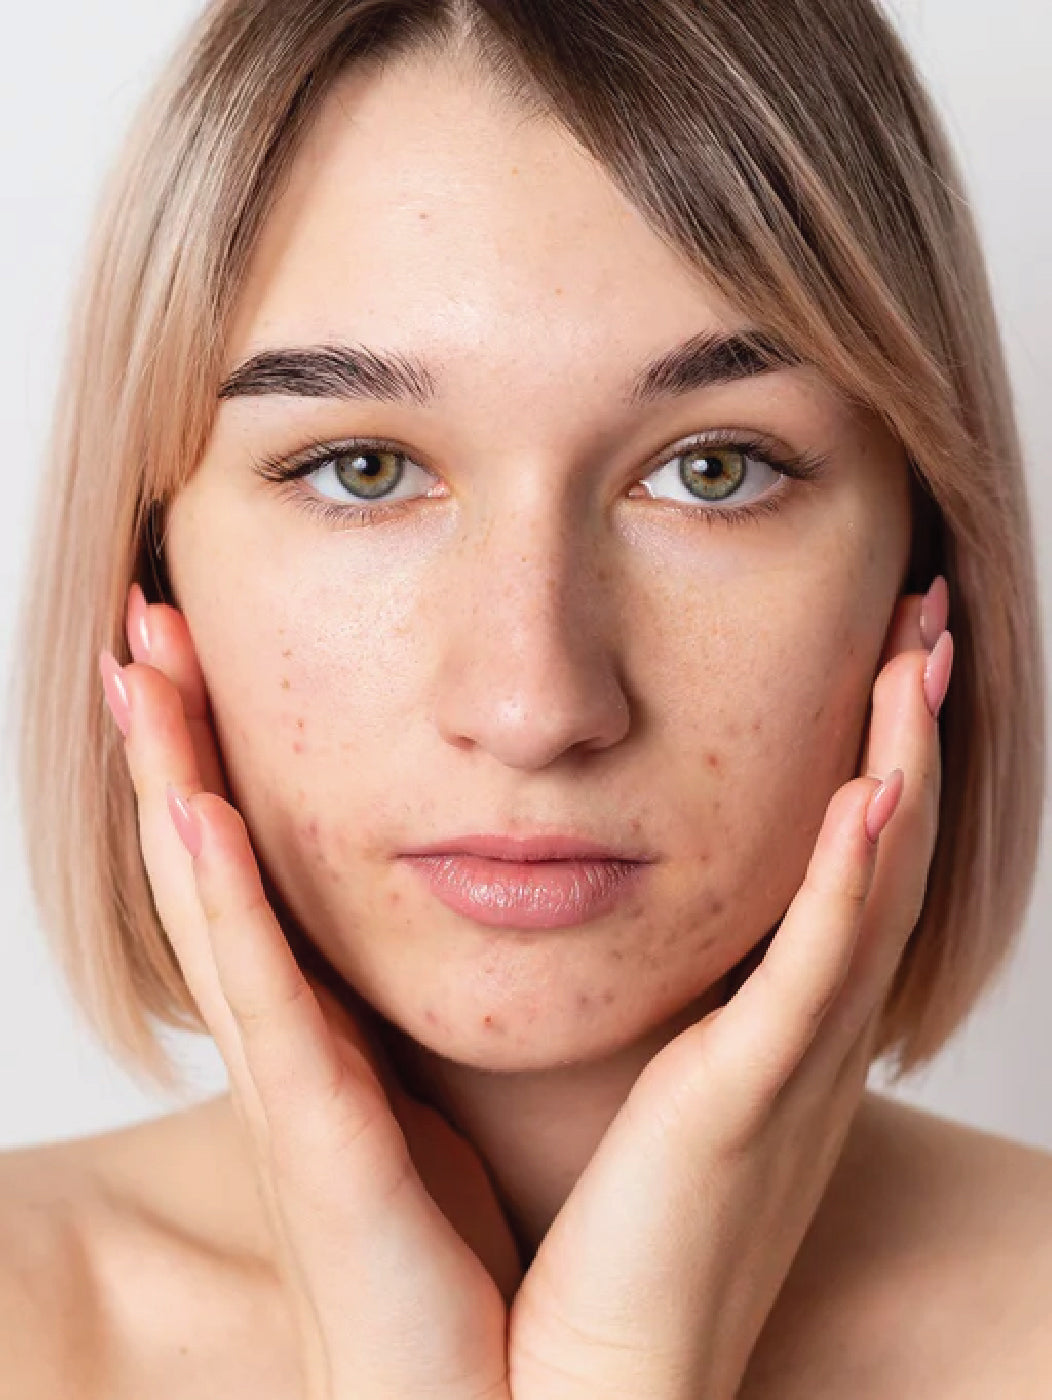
x=548, y=623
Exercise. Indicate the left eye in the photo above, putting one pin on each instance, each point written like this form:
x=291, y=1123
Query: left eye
x=709, y=474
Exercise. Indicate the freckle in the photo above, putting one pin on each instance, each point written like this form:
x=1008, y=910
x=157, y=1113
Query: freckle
x=285, y=683
x=287, y=652
x=617, y=954
x=312, y=830
x=717, y=804
x=583, y=1001
x=712, y=760
x=299, y=724
x=715, y=906
x=394, y=899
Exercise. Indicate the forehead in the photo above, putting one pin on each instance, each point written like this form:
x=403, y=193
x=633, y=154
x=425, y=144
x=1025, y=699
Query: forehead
x=424, y=210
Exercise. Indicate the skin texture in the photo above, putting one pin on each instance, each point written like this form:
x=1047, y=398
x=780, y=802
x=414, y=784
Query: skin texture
x=540, y=645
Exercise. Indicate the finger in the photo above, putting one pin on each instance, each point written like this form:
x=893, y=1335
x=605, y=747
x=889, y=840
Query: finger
x=904, y=733
x=158, y=750
x=158, y=635
x=310, y=1084
x=757, y=1041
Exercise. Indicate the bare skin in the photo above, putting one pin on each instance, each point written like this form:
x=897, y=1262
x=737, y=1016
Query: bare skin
x=137, y=1262
x=616, y=681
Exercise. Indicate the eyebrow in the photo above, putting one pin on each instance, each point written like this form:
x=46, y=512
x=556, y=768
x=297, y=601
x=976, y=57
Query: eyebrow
x=358, y=372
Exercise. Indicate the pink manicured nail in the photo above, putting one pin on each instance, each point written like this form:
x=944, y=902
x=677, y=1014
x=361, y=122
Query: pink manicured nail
x=185, y=821
x=937, y=673
x=138, y=626
x=882, y=805
x=116, y=693
x=935, y=611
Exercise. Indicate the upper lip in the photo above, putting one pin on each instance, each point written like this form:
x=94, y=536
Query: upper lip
x=555, y=847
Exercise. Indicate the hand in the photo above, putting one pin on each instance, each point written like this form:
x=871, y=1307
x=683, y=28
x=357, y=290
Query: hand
x=655, y=1279
x=389, y=1299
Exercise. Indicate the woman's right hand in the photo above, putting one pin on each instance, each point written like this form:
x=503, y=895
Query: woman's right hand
x=389, y=1299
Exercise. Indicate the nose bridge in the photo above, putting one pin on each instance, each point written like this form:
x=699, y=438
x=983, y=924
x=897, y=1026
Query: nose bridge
x=529, y=666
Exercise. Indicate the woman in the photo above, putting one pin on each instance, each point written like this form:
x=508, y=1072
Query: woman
x=488, y=664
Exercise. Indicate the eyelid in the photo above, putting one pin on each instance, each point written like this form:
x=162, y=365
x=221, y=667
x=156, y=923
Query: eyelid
x=802, y=465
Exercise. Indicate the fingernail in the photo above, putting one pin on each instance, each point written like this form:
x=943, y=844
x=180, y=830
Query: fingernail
x=115, y=690
x=937, y=673
x=935, y=611
x=881, y=806
x=138, y=626
x=184, y=819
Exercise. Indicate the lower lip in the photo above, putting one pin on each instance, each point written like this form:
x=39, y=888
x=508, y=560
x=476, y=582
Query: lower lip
x=527, y=894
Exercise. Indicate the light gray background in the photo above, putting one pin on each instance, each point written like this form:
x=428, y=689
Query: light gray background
x=73, y=73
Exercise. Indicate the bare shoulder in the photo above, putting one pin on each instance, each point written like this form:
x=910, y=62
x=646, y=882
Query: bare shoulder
x=48, y=1323
x=927, y=1271
x=133, y=1263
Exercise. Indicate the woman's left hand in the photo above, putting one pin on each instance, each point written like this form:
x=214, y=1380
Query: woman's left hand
x=659, y=1272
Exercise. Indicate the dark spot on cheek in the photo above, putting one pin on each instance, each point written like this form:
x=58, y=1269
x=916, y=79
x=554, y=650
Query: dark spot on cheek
x=287, y=653
x=715, y=907
x=756, y=726
x=300, y=723
x=712, y=760
x=584, y=1001
x=608, y=996
x=394, y=898
x=312, y=830
x=492, y=1024
x=286, y=684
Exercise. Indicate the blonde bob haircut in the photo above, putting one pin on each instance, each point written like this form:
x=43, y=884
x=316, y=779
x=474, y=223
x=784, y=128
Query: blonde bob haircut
x=791, y=154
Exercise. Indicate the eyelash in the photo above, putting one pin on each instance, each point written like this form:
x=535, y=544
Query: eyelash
x=804, y=467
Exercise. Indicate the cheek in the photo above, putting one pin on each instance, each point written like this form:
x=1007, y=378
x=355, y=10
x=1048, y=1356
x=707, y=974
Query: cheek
x=312, y=688
x=762, y=721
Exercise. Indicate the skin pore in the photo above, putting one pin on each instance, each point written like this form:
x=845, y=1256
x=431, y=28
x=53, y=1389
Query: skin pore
x=528, y=642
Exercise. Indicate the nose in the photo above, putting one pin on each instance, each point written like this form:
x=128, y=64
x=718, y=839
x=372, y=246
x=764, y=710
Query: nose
x=528, y=666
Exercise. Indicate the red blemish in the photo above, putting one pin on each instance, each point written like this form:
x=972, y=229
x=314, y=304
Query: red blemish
x=712, y=760
x=297, y=747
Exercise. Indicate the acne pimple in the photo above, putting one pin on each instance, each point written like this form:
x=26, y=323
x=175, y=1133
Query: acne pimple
x=297, y=747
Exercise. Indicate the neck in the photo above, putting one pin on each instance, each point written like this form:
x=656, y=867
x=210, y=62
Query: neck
x=535, y=1131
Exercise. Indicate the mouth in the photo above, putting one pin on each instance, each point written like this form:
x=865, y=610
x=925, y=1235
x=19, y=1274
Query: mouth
x=534, y=882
